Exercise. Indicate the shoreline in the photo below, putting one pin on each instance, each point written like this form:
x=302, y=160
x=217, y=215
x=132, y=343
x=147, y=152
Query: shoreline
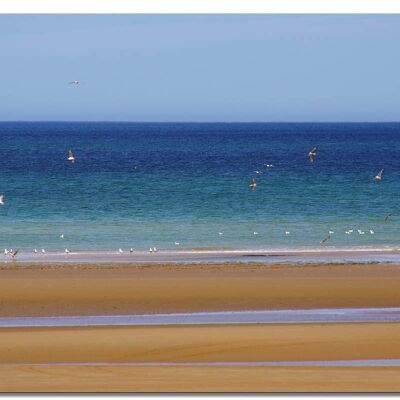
x=386, y=254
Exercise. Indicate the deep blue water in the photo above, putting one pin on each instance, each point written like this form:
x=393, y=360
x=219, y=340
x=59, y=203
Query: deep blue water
x=192, y=181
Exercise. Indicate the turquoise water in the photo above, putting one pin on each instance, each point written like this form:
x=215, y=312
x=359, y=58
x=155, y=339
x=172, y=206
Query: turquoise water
x=142, y=185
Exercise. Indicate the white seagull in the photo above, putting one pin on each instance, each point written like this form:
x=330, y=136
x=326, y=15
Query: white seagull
x=43, y=251
x=70, y=156
x=66, y=251
x=150, y=250
x=131, y=250
x=176, y=243
x=35, y=251
x=120, y=251
x=312, y=154
x=379, y=177
x=2, y=199
x=62, y=236
x=287, y=233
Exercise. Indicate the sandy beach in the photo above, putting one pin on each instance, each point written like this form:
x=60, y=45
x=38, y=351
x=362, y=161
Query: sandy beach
x=183, y=357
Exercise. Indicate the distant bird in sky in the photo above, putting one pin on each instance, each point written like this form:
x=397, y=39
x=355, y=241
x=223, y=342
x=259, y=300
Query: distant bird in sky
x=74, y=82
x=2, y=200
x=379, y=177
x=312, y=154
x=253, y=183
x=325, y=239
x=70, y=156
x=387, y=217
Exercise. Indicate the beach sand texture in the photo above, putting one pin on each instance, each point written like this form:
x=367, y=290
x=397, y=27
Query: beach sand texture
x=56, y=358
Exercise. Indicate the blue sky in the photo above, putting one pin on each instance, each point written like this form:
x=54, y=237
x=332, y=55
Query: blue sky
x=200, y=67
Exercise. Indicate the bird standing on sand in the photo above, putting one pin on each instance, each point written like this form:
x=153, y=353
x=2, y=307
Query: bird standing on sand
x=379, y=177
x=131, y=250
x=253, y=183
x=66, y=251
x=312, y=154
x=43, y=251
x=2, y=199
x=70, y=156
x=13, y=253
x=150, y=250
x=120, y=251
x=35, y=251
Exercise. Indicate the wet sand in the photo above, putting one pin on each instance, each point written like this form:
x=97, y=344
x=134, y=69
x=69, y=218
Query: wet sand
x=34, y=358
x=46, y=290
x=49, y=349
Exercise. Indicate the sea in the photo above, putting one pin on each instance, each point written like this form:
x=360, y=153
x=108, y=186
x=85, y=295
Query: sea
x=187, y=185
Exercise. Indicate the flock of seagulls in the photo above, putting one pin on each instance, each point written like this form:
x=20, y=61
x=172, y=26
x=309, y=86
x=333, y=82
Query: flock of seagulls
x=312, y=154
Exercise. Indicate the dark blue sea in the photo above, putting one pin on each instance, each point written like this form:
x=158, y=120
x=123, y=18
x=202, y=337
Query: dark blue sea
x=140, y=185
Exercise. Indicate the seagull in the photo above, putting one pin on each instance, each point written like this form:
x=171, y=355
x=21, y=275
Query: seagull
x=220, y=233
x=312, y=154
x=150, y=250
x=331, y=232
x=258, y=172
x=268, y=165
x=74, y=82
x=14, y=253
x=177, y=243
x=387, y=217
x=287, y=233
x=348, y=233
x=255, y=233
x=5, y=251
x=371, y=232
x=325, y=239
x=70, y=156
x=43, y=251
x=379, y=177
x=62, y=236
x=66, y=251
x=35, y=251
x=131, y=250
x=120, y=250
x=253, y=183
x=2, y=199
x=155, y=250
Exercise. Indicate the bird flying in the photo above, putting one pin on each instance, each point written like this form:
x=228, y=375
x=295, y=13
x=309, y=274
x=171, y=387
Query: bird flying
x=312, y=154
x=379, y=177
x=70, y=156
x=325, y=239
x=13, y=253
x=253, y=183
x=387, y=217
x=74, y=82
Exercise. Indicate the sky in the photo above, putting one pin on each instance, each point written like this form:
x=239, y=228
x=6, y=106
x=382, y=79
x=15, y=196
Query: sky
x=206, y=68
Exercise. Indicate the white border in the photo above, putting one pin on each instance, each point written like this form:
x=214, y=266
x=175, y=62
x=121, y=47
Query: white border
x=199, y=6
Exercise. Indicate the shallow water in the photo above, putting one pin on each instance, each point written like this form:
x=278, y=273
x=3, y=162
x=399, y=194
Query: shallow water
x=191, y=182
x=333, y=315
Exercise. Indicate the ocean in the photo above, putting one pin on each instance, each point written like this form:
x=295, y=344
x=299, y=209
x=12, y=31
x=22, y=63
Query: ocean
x=156, y=184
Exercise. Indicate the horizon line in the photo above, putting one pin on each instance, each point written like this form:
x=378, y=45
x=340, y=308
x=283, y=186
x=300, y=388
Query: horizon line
x=199, y=122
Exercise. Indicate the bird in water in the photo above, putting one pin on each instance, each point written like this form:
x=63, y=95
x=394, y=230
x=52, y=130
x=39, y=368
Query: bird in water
x=62, y=236
x=70, y=156
x=2, y=200
x=312, y=154
x=379, y=177
x=253, y=183
x=387, y=217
